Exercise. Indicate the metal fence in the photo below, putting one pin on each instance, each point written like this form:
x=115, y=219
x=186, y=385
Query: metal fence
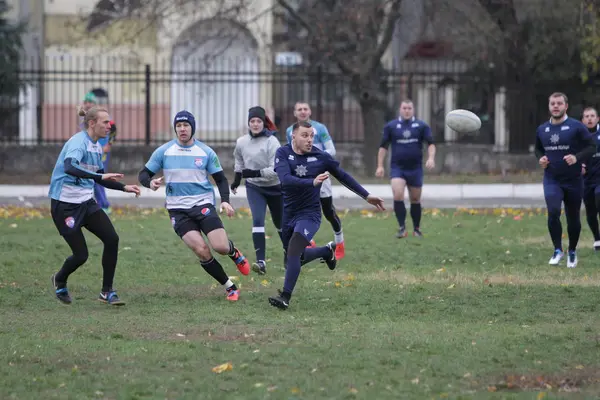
x=142, y=100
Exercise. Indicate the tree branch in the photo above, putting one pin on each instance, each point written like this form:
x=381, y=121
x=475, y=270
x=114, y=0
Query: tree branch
x=391, y=17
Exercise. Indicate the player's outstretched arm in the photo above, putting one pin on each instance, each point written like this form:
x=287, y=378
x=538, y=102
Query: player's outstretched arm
x=352, y=184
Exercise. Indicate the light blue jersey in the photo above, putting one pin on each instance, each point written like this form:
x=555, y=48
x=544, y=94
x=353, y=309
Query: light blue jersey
x=321, y=135
x=186, y=171
x=87, y=155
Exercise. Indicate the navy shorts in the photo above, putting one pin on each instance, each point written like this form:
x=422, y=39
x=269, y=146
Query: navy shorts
x=203, y=218
x=305, y=226
x=70, y=217
x=413, y=177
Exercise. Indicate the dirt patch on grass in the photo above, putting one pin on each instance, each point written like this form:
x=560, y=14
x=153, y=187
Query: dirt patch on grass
x=572, y=381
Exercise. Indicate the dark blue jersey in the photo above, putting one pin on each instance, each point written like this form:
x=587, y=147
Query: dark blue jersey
x=297, y=173
x=406, y=138
x=556, y=141
x=592, y=165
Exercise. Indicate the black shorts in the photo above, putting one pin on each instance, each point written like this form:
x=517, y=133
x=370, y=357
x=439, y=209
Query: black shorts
x=203, y=218
x=70, y=217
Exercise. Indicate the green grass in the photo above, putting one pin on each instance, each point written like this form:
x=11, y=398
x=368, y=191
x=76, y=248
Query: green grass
x=472, y=311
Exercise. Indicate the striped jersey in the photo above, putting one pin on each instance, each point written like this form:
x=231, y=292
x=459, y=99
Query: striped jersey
x=86, y=155
x=186, y=170
x=321, y=135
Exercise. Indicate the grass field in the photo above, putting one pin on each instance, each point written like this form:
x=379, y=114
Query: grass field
x=472, y=311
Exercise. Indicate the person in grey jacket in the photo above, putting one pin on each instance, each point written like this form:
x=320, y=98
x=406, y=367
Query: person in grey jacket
x=254, y=155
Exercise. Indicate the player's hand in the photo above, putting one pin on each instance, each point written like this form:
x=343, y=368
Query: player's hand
x=106, y=148
x=570, y=159
x=376, y=201
x=133, y=189
x=227, y=208
x=155, y=183
x=112, y=177
x=379, y=172
x=233, y=188
x=430, y=163
x=544, y=162
x=583, y=169
x=321, y=178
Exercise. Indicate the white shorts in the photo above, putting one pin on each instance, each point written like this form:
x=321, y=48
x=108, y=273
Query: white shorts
x=326, y=189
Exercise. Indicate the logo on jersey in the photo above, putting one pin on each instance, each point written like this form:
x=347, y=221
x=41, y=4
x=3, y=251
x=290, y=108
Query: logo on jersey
x=277, y=161
x=406, y=134
x=554, y=138
x=306, y=232
x=301, y=170
x=216, y=162
x=205, y=211
x=565, y=128
x=311, y=159
x=70, y=222
x=198, y=162
x=290, y=157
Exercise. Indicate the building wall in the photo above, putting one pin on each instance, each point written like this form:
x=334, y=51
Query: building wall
x=76, y=61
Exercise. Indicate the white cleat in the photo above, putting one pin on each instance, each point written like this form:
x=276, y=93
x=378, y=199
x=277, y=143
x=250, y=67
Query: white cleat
x=557, y=257
x=572, y=260
x=597, y=245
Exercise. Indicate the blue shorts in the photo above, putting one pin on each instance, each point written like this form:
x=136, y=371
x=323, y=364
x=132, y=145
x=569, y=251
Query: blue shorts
x=305, y=226
x=413, y=177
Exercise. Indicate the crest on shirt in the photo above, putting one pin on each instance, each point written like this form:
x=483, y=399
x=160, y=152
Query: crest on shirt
x=406, y=134
x=301, y=170
x=173, y=221
x=554, y=138
x=205, y=211
x=198, y=162
x=70, y=222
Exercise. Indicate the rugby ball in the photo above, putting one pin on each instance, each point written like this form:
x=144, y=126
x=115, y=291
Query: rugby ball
x=463, y=121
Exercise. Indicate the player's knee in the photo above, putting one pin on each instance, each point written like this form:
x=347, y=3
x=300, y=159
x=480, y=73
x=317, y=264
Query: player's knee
x=553, y=213
x=221, y=248
x=297, y=245
x=202, y=250
x=111, y=240
x=80, y=256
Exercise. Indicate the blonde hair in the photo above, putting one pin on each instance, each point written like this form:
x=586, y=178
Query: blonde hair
x=91, y=114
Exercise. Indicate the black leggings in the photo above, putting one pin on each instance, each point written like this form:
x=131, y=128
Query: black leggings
x=330, y=214
x=100, y=225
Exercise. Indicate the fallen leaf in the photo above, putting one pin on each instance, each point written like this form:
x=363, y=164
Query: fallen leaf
x=415, y=381
x=265, y=283
x=180, y=335
x=353, y=390
x=579, y=367
x=13, y=225
x=492, y=388
x=258, y=384
x=451, y=286
x=295, y=390
x=541, y=395
x=222, y=368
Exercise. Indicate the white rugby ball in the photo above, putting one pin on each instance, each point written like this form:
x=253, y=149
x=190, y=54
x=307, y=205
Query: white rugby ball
x=463, y=121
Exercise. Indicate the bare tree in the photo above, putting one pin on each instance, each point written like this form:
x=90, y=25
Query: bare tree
x=353, y=35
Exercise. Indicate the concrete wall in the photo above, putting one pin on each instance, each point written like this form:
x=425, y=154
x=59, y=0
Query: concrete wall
x=451, y=159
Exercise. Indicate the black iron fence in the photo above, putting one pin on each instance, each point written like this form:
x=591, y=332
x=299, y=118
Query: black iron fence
x=142, y=100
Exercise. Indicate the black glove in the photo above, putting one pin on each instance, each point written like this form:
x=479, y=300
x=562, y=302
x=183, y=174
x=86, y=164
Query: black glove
x=236, y=181
x=251, y=173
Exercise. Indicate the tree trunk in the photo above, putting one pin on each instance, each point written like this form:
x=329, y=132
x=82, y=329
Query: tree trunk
x=373, y=120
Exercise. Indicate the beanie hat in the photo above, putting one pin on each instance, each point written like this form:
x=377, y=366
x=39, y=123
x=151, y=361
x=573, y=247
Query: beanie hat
x=257, y=112
x=91, y=98
x=185, y=116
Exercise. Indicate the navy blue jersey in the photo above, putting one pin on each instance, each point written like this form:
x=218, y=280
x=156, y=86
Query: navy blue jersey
x=558, y=140
x=297, y=173
x=406, y=138
x=592, y=165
